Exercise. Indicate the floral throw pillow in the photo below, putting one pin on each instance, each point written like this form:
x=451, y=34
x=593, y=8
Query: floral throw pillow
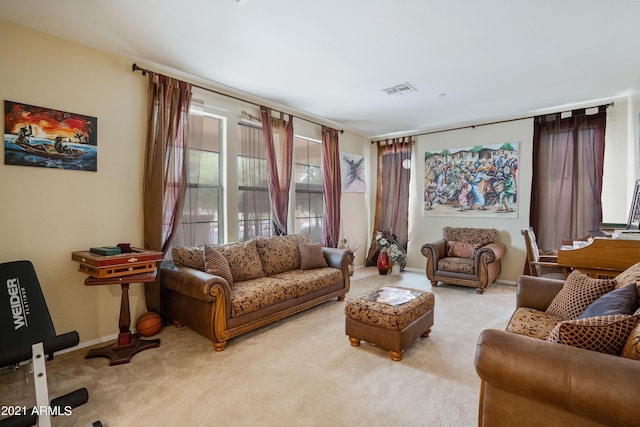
x=188, y=257
x=243, y=260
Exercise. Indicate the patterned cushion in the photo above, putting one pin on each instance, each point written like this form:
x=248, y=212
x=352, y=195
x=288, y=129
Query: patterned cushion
x=578, y=292
x=188, y=257
x=255, y=294
x=279, y=254
x=458, y=265
x=311, y=256
x=630, y=275
x=631, y=349
x=532, y=323
x=388, y=316
x=304, y=282
x=462, y=249
x=618, y=301
x=243, y=260
x=216, y=263
x=482, y=236
x=606, y=334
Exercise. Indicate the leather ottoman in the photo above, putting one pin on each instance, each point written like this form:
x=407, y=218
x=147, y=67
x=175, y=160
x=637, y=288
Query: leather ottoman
x=391, y=317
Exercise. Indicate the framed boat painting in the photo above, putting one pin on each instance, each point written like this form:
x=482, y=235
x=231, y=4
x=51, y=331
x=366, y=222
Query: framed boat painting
x=43, y=137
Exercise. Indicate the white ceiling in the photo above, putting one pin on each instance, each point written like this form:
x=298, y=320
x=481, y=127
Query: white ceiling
x=470, y=60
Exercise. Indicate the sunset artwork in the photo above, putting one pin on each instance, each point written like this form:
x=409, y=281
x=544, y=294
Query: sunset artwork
x=42, y=137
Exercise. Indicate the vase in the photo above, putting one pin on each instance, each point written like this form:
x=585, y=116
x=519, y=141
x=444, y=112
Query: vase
x=383, y=262
x=395, y=270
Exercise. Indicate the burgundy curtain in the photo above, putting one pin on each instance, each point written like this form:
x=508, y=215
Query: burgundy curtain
x=278, y=137
x=392, y=198
x=332, y=187
x=568, y=158
x=164, y=168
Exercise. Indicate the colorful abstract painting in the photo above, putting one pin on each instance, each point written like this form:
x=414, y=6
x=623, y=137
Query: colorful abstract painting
x=472, y=181
x=352, y=170
x=42, y=137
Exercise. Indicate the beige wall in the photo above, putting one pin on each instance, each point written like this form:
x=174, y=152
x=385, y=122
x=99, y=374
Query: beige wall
x=616, y=193
x=49, y=213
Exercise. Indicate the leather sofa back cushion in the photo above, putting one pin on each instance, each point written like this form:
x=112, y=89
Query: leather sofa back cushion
x=280, y=253
x=243, y=260
x=188, y=257
x=462, y=249
x=578, y=292
x=216, y=263
x=606, y=334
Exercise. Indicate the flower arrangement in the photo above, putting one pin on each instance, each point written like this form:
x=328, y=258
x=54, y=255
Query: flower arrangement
x=394, y=251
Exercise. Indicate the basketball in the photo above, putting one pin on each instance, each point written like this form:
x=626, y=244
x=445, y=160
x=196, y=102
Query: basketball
x=148, y=324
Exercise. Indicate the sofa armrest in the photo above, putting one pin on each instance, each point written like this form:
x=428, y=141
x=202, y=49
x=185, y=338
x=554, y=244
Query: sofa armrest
x=437, y=249
x=595, y=385
x=191, y=282
x=495, y=251
x=537, y=292
x=337, y=258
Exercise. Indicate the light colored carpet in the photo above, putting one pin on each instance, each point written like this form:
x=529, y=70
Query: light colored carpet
x=300, y=371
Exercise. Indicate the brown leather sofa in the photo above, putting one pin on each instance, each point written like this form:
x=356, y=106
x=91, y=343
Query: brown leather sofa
x=531, y=382
x=222, y=308
x=465, y=256
x=528, y=381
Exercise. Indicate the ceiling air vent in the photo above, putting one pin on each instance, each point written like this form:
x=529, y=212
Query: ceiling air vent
x=401, y=89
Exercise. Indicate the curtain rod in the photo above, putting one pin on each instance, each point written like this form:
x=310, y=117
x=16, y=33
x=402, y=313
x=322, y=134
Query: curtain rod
x=144, y=72
x=611, y=104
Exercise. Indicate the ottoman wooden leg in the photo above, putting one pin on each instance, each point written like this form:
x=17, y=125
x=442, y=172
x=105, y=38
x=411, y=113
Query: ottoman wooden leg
x=395, y=356
x=354, y=341
x=426, y=334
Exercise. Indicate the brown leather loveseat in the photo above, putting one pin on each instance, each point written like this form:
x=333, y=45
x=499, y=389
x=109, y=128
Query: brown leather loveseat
x=545, y=371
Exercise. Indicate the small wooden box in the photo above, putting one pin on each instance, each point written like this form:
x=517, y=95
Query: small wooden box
x=101, y=266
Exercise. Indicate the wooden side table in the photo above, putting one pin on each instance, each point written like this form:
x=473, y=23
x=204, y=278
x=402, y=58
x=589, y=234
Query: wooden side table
x=128, y=344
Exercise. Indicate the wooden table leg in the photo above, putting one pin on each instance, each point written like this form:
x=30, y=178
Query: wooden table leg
x=128, y=344
x=124, y=337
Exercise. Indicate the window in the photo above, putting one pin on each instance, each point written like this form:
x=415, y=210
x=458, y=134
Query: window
x=201, y=214
x=254, y=204
x=309, y=211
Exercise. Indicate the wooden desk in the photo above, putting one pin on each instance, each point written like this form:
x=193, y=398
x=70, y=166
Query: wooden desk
x=602, y=257
x=128, y=344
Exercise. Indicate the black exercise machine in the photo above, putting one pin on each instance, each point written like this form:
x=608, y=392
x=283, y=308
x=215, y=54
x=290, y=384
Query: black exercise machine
x=27, y=332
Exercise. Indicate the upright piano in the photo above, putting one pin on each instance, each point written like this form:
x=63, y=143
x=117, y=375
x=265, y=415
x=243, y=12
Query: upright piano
x=601, y=257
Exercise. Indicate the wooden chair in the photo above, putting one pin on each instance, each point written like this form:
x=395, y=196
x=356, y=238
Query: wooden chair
x=540, y=265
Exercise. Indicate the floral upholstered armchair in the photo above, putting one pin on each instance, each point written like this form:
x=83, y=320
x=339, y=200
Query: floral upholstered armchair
x=465, y=256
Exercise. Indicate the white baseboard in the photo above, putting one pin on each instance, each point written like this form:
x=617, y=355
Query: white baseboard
x=86, y=344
